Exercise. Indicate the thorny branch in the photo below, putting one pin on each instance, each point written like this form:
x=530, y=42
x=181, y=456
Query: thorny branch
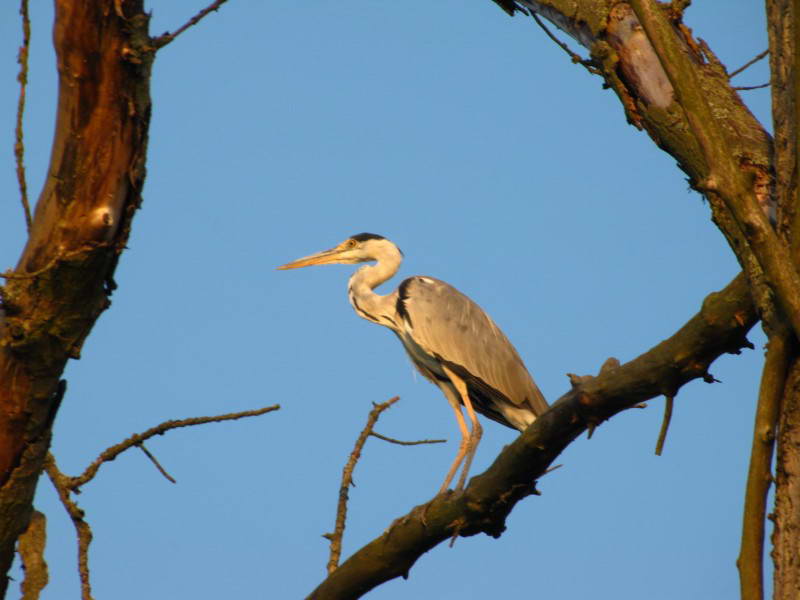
x=135, y=440
x=19, y=146
x=167, y=37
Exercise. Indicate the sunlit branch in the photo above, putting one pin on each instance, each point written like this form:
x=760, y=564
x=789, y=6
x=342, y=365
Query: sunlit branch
x=347, y=480
x=135, y=440
x=166, y=38
x=22, y=77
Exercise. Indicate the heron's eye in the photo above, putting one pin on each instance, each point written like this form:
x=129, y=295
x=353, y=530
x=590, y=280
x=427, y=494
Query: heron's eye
x=351, y=244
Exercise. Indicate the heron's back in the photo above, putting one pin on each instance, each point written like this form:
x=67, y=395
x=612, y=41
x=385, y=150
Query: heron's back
x=449, y=328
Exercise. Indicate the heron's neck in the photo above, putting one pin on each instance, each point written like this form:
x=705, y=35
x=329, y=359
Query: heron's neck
x=368, y=304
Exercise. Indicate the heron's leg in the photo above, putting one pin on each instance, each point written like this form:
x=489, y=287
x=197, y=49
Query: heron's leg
x=464, y=445
x=475, y=433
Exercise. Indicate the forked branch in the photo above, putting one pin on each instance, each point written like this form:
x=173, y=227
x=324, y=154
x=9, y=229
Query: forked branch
x=347, y=477
x=136, y=439
x=720, y=327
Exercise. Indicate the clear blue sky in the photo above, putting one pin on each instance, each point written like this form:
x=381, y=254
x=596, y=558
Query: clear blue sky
x=469, y=139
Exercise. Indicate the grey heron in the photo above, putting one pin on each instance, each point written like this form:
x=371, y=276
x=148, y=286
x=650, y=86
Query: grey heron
x=448, y=337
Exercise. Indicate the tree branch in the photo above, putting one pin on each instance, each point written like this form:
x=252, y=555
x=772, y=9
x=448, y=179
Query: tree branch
x=759, y=477
x=347, y=480
x=403, y=443
x=31, y=548
x=749, y=63
x=109, y=454
x=19, y=146
x=725, y=179
x=720, y=327
x=662, y=435
x=80, y=227
x=84, y=532
x=164, y=39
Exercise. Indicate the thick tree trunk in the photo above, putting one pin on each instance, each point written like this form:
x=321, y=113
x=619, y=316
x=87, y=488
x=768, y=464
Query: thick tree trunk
x=782, y=27
x=63, y=279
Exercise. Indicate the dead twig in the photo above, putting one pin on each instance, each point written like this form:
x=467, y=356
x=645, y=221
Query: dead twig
x=750, y=87
x=31, y=547
x=662, y=435
x=22, y=77
x=335, y=538
x=401, y=442
x=167, y=37
x=155, y=462
x=574, y=56
x=749, y=63
x=112, y=452
x=62, y=485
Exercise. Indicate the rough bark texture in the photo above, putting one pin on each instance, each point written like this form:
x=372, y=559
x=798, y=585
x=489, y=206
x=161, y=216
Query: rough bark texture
x=63, y=279
x=630, y=65
x=783, y=32
x=719, y=327
x=759, y=477
x=786, y=518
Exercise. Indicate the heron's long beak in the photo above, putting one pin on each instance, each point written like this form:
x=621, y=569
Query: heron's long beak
x=320, y=258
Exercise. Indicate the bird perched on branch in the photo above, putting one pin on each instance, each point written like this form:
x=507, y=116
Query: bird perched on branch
x=449, y=338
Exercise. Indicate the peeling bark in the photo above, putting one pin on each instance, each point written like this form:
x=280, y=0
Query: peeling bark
x=63, y=279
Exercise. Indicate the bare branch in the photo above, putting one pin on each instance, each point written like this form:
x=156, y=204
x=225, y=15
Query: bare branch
x=157, y=464
x=589, y=64
x=726, y=182
x=62, y=484
x=662, y=435
x=759, y=476
x=719, y=327
x=167, y=37
x=31, y=552
x=347, y=480
x=749, y=63
x=19, y=146
x=744, y=88
x=402, y=443
x=135, y=440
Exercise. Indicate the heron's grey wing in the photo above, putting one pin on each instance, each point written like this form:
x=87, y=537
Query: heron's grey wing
x=448, y=325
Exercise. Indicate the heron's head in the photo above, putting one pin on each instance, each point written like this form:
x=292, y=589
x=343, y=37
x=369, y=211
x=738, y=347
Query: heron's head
x=359, y=248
